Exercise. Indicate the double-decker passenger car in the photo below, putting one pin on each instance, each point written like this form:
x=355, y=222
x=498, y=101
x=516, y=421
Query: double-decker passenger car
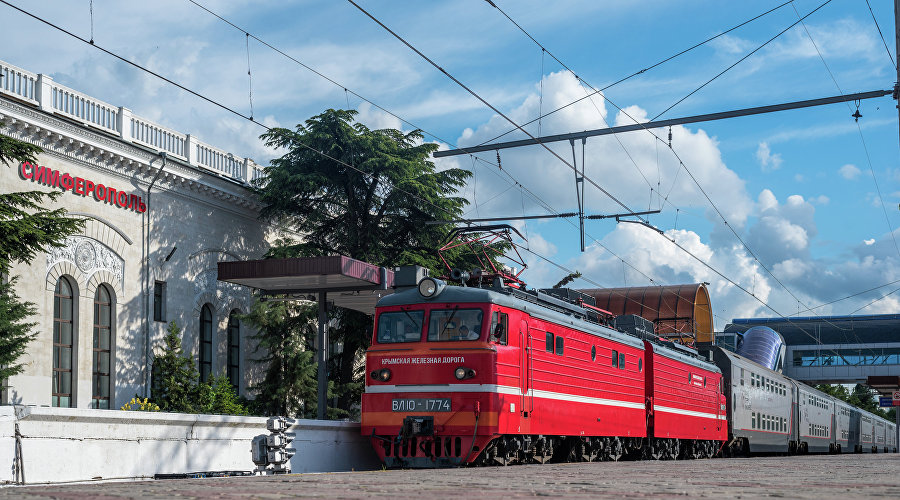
x=761, y=411
x=501, y=375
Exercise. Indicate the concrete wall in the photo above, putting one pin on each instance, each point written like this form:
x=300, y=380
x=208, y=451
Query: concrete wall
x=67, y=444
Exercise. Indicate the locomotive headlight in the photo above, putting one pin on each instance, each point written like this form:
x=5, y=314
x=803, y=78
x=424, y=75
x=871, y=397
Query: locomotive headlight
x=383, y=375
x=430, y=287
x=463, y=373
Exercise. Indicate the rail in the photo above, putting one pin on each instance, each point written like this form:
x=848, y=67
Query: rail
x=42, y=92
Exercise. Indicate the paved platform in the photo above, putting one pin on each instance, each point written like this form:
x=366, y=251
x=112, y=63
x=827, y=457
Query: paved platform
x=819, y=477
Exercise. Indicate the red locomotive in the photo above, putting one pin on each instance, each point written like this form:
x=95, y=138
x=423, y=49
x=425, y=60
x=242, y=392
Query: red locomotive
x=500, y=375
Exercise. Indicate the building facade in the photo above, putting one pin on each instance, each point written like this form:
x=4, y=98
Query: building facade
x=161, y=209
x=832, y=349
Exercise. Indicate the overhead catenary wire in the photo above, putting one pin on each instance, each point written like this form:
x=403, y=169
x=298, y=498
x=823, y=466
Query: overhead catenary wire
x=237, y=113
x=483, y=101
x=685, y=167
x=739, y=61
x=474, y=94
x=522, y=187
x=886, y=49
x=636, y=73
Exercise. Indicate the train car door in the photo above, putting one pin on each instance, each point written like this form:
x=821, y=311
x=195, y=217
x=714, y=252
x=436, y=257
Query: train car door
x=722, y=403
x=525, y=369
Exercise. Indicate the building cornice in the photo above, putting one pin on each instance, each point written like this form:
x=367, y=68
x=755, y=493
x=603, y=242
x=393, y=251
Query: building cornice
x=98, y=150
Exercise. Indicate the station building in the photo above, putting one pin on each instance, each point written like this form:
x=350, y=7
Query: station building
x=161, y=209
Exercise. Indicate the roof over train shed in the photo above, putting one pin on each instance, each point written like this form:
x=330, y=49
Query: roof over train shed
x=674, y=309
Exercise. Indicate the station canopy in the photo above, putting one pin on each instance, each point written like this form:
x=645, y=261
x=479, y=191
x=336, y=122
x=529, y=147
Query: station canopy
x=676, y=310
x=347, y=282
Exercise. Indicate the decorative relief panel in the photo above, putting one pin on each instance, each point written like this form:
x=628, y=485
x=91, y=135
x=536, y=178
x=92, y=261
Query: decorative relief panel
x=89, y=255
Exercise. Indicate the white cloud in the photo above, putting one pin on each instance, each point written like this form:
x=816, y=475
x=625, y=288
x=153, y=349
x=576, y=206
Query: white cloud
x=849, y=172
x=628, y=166
x=869, y=242
x=767, y=160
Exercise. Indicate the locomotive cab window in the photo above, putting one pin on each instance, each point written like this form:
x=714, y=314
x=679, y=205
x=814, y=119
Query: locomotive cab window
x=400, y=326
x=454, y=324
x=499, y=327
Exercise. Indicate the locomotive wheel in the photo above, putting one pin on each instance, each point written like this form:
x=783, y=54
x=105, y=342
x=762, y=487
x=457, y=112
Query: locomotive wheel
x=674, y=448
x=543, y=450
x=657, y=449
x=614, y=449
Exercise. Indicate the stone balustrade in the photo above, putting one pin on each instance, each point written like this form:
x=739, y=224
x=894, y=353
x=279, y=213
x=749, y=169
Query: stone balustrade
x=42, y=92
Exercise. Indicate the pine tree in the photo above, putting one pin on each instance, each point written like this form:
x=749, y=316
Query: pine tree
x=285, y=335
x=15, y=334
x=26, y=229
x=174, y=377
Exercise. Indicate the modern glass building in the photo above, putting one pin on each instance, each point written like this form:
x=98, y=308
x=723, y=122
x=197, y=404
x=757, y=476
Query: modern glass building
x=834, y=349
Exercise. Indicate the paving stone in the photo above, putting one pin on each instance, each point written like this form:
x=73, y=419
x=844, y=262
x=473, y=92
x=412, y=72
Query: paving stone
x=813, y=477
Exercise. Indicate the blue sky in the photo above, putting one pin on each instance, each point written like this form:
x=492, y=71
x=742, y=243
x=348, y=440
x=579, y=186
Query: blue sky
x=798, y=187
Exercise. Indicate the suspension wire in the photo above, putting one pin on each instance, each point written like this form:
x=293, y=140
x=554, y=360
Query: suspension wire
x=636, y=73
x=682, y=165
x=249, y=76
x=310, y=148
x=851, y=296
x=519, y=127
x=541, y=99
x=886, y=49
x=740, y=60
x=486, y=103
x=874, y=301
x=859, y=128
x=514, y=181
x=841, y=92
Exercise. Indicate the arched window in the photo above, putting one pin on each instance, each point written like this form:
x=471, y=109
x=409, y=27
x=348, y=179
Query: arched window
x=63, y=341
x=234, y=349
x=102, y=353
x=206, y=336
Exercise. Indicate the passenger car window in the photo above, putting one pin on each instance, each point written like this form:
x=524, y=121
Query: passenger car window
x=454, y=324
x=400, y=326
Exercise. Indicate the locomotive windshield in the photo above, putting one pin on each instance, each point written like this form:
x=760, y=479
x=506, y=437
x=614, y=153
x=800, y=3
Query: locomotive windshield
x=400, y=326
x=455, y=324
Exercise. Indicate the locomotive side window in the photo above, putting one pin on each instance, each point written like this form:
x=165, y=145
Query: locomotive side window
x=549, y=343
x=593, y=352
x=621, y=360
x=400, y=326
x=559, y=345
x=454, y=324
x=499, y=327
x=615, y=359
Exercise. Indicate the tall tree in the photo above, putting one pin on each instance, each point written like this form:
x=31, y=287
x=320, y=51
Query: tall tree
x=285, y=337
x=26, y=229
x=362, y=193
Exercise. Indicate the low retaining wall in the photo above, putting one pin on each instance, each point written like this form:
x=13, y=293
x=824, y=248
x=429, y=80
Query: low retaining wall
x=70, y=444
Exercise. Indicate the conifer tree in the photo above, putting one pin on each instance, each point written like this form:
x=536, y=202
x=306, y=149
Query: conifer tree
x=26, y=229
x=174, y=376
x=285, y=336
